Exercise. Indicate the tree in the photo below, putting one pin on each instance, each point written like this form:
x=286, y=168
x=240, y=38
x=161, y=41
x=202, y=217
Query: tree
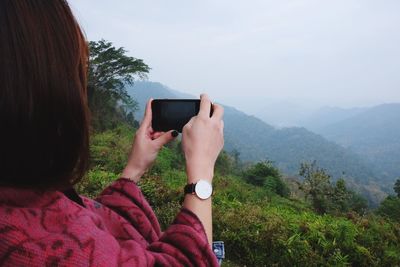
x=396, y=187
x=341, y=196
x=357, y=203
x=265, y=174
x=257, y=173
x=316, y=185
x=390, y=208
x=224, y=163
x=110, y=70
x=235, y=154
x=344, y=199
x=325, y=197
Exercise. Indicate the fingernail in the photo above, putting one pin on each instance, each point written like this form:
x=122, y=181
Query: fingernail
x=174, y=133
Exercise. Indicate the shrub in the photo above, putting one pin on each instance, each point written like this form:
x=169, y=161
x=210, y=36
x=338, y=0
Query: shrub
x=95, y=181
x=390, y=208
x=266, y=175
x=109, y=150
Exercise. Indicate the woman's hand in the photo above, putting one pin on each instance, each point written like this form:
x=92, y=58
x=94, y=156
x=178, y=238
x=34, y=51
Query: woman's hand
x=145, y=147
x=202, y=141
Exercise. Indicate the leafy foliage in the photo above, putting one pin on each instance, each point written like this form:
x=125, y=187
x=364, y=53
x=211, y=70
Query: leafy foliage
x=95, y=181
x=396, y=187
x=110, y=69
x=390, y=207
x=109, y=149
x=258, y=226
x=328, y=198
x=316, y=186
x=225, y=163
x=266, y=175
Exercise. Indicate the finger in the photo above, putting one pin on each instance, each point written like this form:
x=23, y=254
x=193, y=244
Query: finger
x=218, y=111
x=150, y=130
x=189, y=124
x=166, y=138
x=205, y=106
x=155, y=135
x=147, y=115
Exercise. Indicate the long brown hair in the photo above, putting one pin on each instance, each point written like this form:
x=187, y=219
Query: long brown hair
x=44, y=118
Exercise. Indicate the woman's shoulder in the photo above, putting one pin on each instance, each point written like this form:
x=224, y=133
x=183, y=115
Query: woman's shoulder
x=34, y=225
x=37, y=211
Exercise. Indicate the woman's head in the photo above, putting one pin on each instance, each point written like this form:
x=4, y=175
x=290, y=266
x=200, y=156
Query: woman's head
x=43, y=102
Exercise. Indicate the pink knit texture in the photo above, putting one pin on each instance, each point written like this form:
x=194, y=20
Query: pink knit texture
x=118, y=229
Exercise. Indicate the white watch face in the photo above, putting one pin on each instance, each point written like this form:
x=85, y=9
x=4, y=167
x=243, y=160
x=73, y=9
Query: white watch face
x=203, y=189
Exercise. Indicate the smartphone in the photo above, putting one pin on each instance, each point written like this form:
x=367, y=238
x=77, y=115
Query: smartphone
x=173, y=114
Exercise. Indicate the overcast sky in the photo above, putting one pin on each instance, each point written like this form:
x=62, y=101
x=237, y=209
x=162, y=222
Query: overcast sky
x=338, y=52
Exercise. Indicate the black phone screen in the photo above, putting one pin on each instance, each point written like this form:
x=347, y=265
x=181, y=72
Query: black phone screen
x=173, y=114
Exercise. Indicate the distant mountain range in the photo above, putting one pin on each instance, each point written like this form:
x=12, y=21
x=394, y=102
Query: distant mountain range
x=256, y=140
x=373, y=133
x=327, y=116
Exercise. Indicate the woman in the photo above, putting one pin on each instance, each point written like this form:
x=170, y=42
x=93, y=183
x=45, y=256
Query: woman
x=44, y=144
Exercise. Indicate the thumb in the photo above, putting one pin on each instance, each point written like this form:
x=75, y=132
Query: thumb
x=166, y=137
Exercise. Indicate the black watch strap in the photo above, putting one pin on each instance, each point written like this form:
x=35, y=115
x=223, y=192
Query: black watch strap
x=189, y=189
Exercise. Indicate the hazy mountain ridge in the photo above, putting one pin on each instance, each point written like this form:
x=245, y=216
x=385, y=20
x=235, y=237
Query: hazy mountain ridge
x=280, y=113
x=374, y=134
x=327, y=116
x=288, y=147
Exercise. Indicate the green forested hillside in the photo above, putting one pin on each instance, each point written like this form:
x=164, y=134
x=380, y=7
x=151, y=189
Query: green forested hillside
x=259, y=226
x=287, y=148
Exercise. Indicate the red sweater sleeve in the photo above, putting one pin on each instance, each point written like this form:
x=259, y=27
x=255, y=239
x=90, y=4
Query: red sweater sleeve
x=183, y=243
x=125, y=198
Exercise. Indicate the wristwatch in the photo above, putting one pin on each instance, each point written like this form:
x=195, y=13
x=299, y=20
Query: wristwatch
x=202, y=189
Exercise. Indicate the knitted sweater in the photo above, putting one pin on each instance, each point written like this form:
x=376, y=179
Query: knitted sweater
x=119, y=228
